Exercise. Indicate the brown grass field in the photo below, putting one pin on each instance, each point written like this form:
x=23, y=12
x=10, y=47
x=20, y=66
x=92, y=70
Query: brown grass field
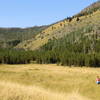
x=48, y=82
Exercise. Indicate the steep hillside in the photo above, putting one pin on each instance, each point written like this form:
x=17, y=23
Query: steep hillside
x=12, y=36
x=90, y=22
x=90, y=9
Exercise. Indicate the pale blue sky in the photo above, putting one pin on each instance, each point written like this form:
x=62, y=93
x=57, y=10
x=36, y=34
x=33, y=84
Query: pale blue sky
x=27, y=13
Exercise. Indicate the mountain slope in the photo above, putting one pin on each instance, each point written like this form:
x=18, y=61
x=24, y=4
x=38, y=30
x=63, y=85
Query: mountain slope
x=74, y=41
x=66, y=26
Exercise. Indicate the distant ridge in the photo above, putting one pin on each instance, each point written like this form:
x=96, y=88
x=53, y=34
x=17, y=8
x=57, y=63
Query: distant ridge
x=10, y=37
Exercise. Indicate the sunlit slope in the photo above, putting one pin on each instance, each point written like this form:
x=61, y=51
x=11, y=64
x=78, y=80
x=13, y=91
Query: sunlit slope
x=61, y=29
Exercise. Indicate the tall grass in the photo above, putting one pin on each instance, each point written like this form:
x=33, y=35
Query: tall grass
x=15, y=91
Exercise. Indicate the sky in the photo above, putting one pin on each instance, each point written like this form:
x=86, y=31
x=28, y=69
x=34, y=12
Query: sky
x=29, y=13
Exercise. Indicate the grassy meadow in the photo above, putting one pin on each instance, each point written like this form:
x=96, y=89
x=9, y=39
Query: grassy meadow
x=48, y=82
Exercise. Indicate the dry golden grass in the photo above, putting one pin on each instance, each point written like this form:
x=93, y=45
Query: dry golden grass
x=48, y=81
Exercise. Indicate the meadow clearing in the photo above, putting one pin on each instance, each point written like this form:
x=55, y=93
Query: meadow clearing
x=48, y=82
